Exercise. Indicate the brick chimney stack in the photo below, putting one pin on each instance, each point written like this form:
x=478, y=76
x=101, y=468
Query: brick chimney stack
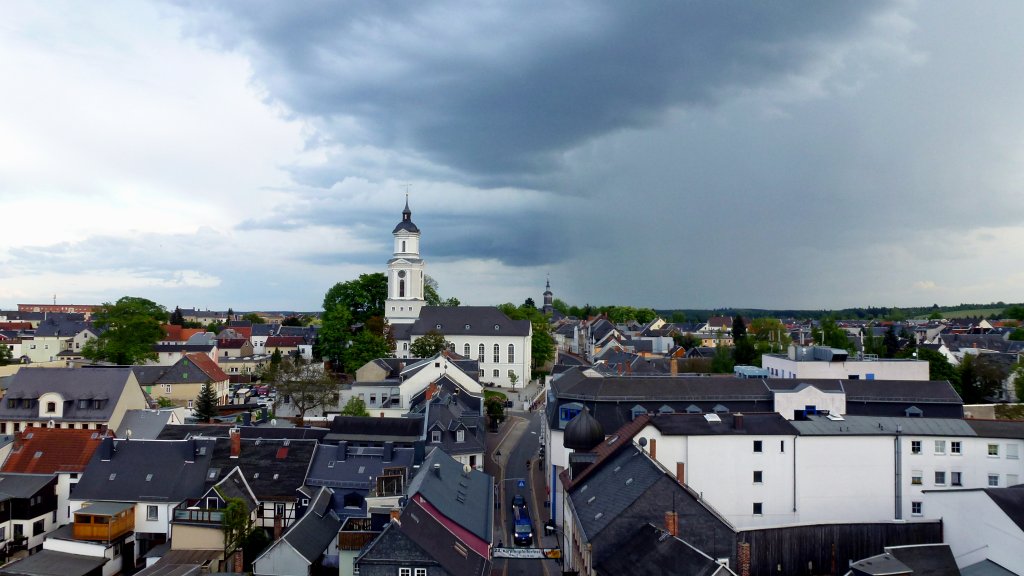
x=737, y=421
x=672, y=523
x=235, y=436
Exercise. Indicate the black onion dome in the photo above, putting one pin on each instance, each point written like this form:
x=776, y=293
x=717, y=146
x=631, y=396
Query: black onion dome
x=583, y=432
x=406, y=223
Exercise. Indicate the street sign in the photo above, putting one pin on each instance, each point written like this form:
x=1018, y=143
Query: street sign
x=531, y=553
x=521, y=483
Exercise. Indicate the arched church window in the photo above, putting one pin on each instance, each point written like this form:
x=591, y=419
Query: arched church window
x=401, y=288
x=497, y=354
x=403, y=245
x=480, y=353
x=465, y=350
x=511, y=353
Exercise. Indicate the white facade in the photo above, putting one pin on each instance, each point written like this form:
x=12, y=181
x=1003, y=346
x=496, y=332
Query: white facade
x=977, y=529
x=95, y=549
x=379, y=397
x=824, y=478
x=789, y=402
x=494, y=354
x=789, y=366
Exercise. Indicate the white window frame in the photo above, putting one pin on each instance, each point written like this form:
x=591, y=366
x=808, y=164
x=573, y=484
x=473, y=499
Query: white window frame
x=460, y=435
x=956, y=478
x=420, y=572
x=916, y=478
x=993, y=480
x=511, y=353
x=497, y=353
x=940, y=446
x=916, y=509
x=940, y=477
x=405, y=572
x=956, y=448
x=152, y=513
x=993, y=450
x=435, y=436
x=1012, y=451
x=915, y=447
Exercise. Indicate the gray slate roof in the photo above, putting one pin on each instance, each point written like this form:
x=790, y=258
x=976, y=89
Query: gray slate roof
x=335, y=467
x=145, y=471
x=882, y=426
x=311, y=534
x=481, y=321
x=761, y=424
x=73, y=384
x=393, y=547
x=653, y=552
x=22, y=485
x=273, y=468
x=144, y=424
x=1010, y=501
x=51, y=563
x=466, y=499
x=997, y=428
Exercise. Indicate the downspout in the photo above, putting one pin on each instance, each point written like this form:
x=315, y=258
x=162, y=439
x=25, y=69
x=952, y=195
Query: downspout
x=899, y=474
x=794, y=473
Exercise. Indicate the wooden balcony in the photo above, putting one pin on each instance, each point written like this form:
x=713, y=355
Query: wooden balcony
x=104, y=521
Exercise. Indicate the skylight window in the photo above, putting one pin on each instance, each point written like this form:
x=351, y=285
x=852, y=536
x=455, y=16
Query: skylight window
x=114, y=475
x=149, y=477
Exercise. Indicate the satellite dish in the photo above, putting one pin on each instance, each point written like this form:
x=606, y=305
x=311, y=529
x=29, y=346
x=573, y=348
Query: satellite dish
x=128, y=433
x=273, y=422
x=466, y=469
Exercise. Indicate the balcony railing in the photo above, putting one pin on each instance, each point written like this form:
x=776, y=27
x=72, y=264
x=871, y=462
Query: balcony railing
x=102, y=528
x=191, y=511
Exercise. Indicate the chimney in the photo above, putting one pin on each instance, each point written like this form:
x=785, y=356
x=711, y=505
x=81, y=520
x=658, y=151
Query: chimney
x=278, y=528
x=235, y=435
x=389, y=452
x=672, y=523
x=654, y=449
x=674, y=366
x=737, y=421
x=396, y=516
x=431, y=390
x=681, y=472
x=342, y=451
x=238, y=561
x=743, y=559
x=629, y=367
x=437, y=470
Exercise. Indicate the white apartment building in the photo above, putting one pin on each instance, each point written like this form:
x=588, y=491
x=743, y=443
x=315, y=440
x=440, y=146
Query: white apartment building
x=817, y=362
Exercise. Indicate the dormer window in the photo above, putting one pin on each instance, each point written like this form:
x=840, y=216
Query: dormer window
x=438, y=326
x=467, y=326
x=460, y=436
x=497, y=327
x=435, y=436
x=83, y=404
x=51, y=407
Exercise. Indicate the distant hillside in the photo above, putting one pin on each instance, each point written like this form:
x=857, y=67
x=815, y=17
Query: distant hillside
x=990, y=310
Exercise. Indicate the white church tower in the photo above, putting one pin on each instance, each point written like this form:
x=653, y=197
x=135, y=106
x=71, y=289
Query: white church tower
x=405, y=273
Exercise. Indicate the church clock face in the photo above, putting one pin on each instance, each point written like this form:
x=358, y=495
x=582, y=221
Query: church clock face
x=401, y=273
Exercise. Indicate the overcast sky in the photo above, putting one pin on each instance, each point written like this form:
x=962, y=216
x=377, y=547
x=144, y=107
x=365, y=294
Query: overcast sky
x=685, y=154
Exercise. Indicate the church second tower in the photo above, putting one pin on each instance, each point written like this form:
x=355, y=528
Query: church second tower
x=405, y=273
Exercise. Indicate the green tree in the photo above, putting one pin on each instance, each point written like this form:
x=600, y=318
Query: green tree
x=308, y=385
x=165, y=402
x=687, y=341
x=935, y=315
x=292, y=321
x=345, y=304
x=1017, y=334
x=254, y=318
x=1018, y=380
x=1016, y=312
x=495, y=407
x=131, y=327
x=645, y=315
x=744, y=351
x=830, y=334
x=560, y=305
x=177, y=318
x=429, y=344
x=722, y=362
x=5, y=355
x=513, y=379
x=430, y=293
x=206, y=403
x=542, y=344
x=529, y=303
x=770, y=334
x=355, y=407
x=365, y=347
x=939, y=367
x=890, y=342
x=236, y=522
x=678, y=317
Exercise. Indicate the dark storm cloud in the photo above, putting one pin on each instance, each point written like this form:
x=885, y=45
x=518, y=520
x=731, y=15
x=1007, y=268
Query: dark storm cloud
x=500, y=92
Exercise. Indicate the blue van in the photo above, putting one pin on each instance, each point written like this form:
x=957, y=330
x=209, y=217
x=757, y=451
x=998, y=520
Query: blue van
x=522, y=527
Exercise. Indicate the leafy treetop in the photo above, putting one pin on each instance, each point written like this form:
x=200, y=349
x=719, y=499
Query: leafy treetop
x=132, y=326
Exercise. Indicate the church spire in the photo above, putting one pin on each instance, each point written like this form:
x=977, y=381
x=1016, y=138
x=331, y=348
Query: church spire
x=406, y=214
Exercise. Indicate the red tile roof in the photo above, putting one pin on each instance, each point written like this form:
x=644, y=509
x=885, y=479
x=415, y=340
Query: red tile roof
x=172, y=332
x=208, y=366
x=52, y=450
x=15, y=325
